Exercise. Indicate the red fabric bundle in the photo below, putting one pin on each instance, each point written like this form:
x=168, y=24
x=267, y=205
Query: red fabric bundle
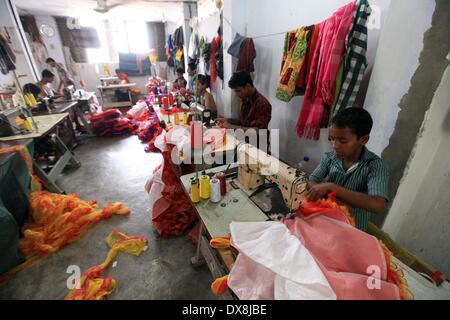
x=112, y=123
x=173, y=213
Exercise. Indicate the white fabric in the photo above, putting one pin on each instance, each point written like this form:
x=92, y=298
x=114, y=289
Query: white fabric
x=273, y=264
x=138, y=109
x=193, y=51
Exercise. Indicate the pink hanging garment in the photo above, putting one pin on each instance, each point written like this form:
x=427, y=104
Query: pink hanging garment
x=321, y=82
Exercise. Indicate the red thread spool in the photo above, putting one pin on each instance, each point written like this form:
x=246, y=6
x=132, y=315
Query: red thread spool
x=171, y=99
x=223, y=182
x=166, y=103
x=196, y=135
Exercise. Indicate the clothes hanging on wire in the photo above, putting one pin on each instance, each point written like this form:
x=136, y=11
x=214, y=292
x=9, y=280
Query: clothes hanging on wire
x=7, y=56
x=295, y=45
x=6, y=63
x=304, y=71
x=178, y=39
x=193, y=50
x=5, y=39
x=213, y=65
x=169, y=51
x=236, y=45
x=355, y=62
x=247, y=56
x=321, y=84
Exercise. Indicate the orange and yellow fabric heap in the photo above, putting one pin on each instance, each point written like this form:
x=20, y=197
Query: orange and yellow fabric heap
x=57, y=220
x=220, y=242
x=54, y=219
x=93, y=285
x=220, y=285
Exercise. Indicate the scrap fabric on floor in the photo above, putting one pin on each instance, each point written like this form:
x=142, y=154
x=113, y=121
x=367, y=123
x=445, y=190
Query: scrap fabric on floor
x=55, y=220
x=294, y=260
x=93, y=285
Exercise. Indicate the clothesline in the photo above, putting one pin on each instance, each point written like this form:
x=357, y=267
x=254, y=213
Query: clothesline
x=256, y=37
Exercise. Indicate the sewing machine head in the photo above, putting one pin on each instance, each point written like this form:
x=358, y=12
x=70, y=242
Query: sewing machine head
x=256, y=166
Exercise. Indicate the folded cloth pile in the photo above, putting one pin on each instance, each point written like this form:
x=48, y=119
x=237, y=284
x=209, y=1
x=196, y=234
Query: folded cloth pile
x=112, y=123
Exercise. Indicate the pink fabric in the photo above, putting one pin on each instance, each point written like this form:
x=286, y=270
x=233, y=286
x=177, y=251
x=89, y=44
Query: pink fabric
x=341, y=21
x=344, y=254
x=321, y=82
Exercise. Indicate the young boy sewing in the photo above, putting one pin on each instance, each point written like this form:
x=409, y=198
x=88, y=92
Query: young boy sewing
x=358, y=176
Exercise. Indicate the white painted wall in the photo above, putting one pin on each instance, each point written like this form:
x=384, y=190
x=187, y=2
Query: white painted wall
x=420, y=215
x=396, y=61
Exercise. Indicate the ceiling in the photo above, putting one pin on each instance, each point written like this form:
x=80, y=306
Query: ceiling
x=144, y=10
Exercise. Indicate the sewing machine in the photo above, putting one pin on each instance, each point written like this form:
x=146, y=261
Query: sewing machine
x=286, y=188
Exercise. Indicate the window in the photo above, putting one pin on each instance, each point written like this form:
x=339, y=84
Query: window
x=97, y=55
x=130, y=36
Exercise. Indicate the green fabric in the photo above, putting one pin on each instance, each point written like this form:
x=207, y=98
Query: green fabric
x=339, y=79
x=14, y=205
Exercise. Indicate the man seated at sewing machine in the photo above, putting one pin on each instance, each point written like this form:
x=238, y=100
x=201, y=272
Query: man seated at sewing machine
x=358, y=176
x=46, y=92
x=255, y=110
x=45, y=85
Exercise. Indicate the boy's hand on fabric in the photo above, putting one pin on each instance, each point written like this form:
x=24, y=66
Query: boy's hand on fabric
x=319, y=190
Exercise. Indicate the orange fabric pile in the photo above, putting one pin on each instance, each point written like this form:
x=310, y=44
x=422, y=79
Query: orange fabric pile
x=93, y=285
x=54, y=219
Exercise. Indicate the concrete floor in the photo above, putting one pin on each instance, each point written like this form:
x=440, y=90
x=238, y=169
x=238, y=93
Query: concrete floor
x=116, y=169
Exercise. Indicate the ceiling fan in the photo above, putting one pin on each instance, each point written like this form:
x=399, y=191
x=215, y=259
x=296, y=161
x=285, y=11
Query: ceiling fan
x=103, y=7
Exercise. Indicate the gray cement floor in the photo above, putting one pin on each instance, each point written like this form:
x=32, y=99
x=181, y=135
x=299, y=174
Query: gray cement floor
x=116, y=169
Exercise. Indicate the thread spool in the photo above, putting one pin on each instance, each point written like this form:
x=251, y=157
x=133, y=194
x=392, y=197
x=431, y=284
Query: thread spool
x=215, y=190
x=223, y=182
x=176, y=118
x=204, y=187
x=166, y=103
x=196, y=135
x=185, y=118
x=171, y=99
x=195, y=190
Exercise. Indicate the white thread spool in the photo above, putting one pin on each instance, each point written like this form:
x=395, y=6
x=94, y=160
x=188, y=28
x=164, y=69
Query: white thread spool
x=215, y=190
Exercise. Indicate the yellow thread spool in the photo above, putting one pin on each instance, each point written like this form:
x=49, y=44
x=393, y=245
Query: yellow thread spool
x=185, y=118
x=204, y=187
x=28, y=101
x=195, y=192
x=176, y=118
x=32, y=99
